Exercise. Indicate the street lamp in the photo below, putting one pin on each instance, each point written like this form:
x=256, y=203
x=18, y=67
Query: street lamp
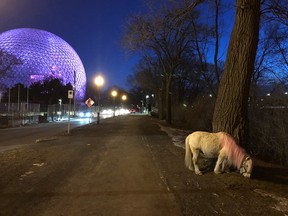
x=60, y=110
x=124, y=97
x=99, y=82
x=114, y=94
x=147, y=103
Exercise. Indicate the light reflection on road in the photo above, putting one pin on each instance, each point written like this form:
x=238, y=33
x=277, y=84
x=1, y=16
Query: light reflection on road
x=83, y=121
x=25, y=135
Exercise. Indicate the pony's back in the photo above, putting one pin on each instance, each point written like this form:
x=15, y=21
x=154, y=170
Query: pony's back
x=208, y=143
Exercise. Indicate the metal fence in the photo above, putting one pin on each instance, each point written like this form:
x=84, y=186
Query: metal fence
x=57, y=112
x=15, y=114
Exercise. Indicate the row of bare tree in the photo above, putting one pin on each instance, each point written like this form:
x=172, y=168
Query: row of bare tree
x=182, y=51
x=45, y=92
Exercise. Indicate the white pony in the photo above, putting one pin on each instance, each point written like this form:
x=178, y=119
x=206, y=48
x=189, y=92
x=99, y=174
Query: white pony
x=214, y=145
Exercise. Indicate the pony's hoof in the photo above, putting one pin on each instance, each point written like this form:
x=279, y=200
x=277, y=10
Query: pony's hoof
x=247, y=175
x=199, y=173
x=217, y=172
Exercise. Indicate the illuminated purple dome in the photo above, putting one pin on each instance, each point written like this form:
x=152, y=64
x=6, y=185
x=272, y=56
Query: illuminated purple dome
x=42, y=55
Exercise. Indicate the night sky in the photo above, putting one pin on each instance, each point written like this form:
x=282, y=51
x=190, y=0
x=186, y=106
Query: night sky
x=92, y=27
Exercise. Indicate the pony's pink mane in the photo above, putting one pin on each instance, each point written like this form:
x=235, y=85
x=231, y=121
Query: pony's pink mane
x=234, y=152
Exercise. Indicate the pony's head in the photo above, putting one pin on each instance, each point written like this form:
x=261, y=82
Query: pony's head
x=246, y=167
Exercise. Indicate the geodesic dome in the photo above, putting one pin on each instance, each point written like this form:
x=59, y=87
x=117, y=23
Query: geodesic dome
x=41, y=55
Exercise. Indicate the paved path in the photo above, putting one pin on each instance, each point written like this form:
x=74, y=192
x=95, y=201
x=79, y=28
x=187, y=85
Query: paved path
x=104, y=169
x=123, y=181
x=128, y=166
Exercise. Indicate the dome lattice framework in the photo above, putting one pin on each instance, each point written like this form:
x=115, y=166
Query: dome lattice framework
x=41, y=55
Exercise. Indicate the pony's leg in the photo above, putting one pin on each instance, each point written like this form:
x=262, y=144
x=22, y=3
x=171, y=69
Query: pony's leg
x=195, y=153
x=218, y=164
x=225, y=166
x=188, y=156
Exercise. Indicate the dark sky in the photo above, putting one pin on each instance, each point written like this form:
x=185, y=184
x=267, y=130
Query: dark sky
x=92, y=27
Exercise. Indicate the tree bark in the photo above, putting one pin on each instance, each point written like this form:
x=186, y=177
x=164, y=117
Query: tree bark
x=168, y=99
x=231, y=109
x=161, y=104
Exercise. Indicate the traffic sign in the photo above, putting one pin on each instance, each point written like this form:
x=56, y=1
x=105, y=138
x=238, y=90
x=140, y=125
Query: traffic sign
x=89, y=102
x=70, y=94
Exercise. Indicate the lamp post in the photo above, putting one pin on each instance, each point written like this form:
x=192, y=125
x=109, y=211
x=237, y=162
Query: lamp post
x=60, y=107
x=147, y=103
x=74, y=89
x=114, y=94
x=124, y=98
x=99, y=82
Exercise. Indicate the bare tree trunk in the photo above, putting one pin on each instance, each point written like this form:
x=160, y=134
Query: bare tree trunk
x=161, y=104
x=168, y=99
x=217, y=3
x=231, y=109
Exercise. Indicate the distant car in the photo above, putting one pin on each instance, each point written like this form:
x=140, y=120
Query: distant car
x=132, y=110
x=85, y=114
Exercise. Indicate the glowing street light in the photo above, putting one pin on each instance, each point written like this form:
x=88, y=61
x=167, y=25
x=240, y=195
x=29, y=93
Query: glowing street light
x=99, y=82
x=124, y=97
x=114, y=94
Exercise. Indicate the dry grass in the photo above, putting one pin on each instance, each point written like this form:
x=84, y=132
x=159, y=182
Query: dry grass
x=268, y=134
x=268, y=127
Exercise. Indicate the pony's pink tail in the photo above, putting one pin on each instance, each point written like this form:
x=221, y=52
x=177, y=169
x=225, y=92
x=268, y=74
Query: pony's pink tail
x=188, y=154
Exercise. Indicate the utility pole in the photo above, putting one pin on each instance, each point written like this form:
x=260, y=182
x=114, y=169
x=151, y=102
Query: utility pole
x=70, y=96
x=74, y=94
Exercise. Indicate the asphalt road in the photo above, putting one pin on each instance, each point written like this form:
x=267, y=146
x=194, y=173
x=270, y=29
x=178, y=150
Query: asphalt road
x=16, y=137
x=128, y=166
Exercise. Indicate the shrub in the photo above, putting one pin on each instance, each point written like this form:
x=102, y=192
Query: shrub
x=196, y=116
x=268, y=134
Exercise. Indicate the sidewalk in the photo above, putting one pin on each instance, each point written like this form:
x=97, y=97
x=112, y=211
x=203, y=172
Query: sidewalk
x=122, y=178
